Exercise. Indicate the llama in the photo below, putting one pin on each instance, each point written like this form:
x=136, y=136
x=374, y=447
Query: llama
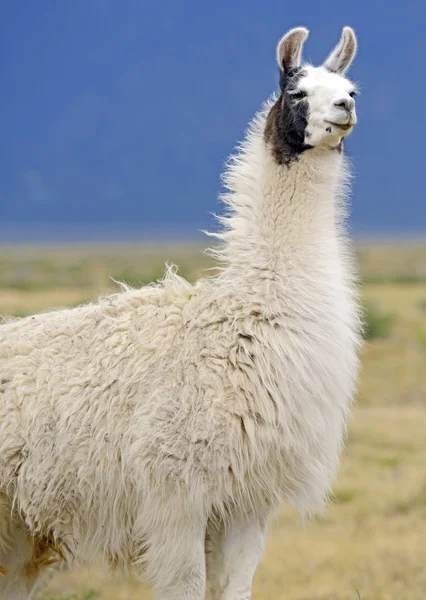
x=159, y=428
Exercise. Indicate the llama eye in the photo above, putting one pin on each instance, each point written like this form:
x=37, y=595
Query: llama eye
x=353, y=94
x=298, y=95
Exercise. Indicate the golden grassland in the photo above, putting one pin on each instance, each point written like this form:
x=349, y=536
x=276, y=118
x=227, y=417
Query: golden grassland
x=371, y=542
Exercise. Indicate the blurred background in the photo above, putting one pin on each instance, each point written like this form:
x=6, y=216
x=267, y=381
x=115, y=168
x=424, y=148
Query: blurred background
x=117, y=118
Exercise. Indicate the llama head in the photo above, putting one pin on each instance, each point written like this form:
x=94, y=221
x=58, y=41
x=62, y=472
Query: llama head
x=316, y=107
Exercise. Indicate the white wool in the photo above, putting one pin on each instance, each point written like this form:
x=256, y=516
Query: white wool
x=129, y=426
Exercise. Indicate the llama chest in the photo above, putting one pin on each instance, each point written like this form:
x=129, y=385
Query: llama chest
x=291, y=390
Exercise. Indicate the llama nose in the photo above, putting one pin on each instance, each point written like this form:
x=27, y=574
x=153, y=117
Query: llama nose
x=346, y=103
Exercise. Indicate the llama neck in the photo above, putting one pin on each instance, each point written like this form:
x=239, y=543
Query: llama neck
x=283, y=220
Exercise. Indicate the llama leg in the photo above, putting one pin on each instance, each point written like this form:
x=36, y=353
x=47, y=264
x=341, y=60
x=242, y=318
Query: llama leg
x=214, y=562
x=237, y=554
x=180, y=565
x=20, y=575
x=15, y=552
x=173, y=558
x=15, y=556
x=23, y=562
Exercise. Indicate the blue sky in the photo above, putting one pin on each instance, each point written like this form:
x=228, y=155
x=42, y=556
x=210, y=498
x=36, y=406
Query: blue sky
x=121, y=114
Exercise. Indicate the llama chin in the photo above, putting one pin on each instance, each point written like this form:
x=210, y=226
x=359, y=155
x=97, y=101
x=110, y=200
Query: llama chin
x=159, y=428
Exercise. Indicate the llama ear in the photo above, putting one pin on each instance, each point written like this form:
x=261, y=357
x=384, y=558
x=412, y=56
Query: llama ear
x=289, y=49
x=343, y=54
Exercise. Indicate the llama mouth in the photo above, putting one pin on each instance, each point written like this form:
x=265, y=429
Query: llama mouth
x=343, y=126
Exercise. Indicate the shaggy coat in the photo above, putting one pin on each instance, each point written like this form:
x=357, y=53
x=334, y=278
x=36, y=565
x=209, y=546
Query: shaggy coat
x=162, y=425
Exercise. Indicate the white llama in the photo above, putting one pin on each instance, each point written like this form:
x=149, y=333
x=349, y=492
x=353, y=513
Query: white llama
x=159, y=428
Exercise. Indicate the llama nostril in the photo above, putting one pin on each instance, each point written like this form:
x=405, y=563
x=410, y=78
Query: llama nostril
x=346, y=103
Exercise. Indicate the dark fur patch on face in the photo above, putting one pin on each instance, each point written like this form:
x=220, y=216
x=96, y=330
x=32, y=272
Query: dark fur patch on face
x=286, y=123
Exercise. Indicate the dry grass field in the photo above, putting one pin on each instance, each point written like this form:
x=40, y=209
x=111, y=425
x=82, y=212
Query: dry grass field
x=371, y=542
